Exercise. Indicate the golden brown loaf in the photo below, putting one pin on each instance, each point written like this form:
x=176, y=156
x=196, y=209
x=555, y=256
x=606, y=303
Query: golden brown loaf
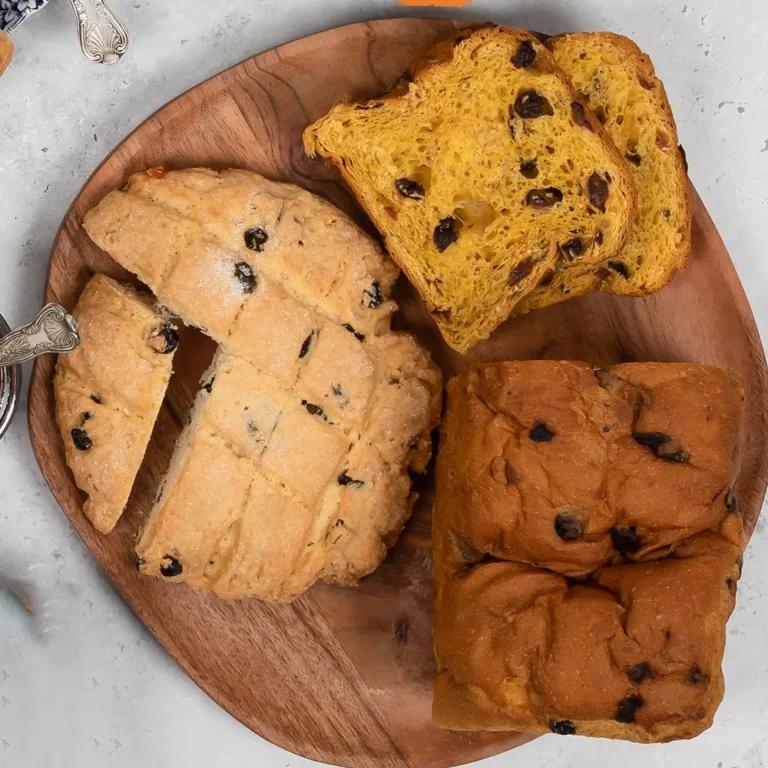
x=294, y=465
x=586, y=540
x=109, y=391
x=481, y=174
x=618, y=82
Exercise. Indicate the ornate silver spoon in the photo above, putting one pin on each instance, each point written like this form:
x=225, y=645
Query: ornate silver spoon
x=103, y=39
x=53, y=330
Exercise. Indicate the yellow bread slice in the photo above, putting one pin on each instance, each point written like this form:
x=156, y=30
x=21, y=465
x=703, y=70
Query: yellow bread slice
x=617, y=80
x=481, y=173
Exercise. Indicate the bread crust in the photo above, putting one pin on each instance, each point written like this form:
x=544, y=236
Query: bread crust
x=108, y=392
x=294, y=466
x=663, y=254
x=586, y=542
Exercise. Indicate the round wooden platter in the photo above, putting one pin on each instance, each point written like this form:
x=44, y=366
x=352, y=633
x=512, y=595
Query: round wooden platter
x=345, y=675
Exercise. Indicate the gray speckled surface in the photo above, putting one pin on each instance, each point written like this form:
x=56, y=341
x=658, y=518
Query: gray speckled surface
x=82, y=683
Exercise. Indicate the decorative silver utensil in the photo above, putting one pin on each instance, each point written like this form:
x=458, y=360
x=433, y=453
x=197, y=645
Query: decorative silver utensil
x=103, y=39
x=53, y=330
x=10, y=387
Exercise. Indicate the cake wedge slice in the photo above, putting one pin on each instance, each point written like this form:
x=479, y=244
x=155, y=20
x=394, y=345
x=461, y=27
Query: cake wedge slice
x=108, y=392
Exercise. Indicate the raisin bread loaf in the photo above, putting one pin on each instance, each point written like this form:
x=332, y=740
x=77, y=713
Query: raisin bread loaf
x=618, y=82
x=586, y=546
x=109, y=391
x=294, y=465
x=482, y=173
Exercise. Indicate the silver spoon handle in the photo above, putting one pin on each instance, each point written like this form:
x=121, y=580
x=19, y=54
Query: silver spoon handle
x=103, y=38
x=53, y=330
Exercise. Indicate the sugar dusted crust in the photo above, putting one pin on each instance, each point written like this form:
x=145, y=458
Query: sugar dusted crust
x=108, y=392
x=294, y=466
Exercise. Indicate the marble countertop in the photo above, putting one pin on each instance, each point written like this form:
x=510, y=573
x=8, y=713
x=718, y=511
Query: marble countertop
x=82, y=682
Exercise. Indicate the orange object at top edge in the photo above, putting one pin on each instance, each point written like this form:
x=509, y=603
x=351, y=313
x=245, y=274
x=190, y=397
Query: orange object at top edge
x=444, y=3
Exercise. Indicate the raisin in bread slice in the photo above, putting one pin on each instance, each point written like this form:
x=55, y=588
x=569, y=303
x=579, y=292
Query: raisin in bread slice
x=108, y=392
x=481, y=174
x=618, y=82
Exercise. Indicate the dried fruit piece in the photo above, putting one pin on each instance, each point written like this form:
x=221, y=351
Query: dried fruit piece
x=345, y=479
x=541, y=434
x=639, y=672
x=445, y=233
x=579, y=115
x=626, y=540
x=633, y=158
x=731, y=502
x=306, y=344
x=696, y=676
x=409, y=188
x=652, y=440
x=81, y=439
x=597, y=191
x=530, y=104
x=543, y=198
x=372, y=296
x=530, y=168
x=520, y=271
x=572, y=249
x=569, y=526
x=314, y=410
x=562, y=727
x=627, y=709
x=96, y=398
x=170, y=567
x=525, y=55
x=245, y=276
x=255, y=238
x=356, y=334
x=165, y=339
x=656, y=442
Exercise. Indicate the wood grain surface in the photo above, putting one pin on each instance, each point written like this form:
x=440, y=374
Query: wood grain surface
x=345, y=675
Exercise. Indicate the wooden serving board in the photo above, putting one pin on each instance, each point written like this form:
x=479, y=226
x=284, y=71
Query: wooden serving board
x=345, y=675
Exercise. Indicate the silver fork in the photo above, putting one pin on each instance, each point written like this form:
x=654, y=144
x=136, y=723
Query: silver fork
x=103, y=39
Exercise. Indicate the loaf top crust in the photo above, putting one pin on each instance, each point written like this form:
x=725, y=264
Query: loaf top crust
x=586, y=539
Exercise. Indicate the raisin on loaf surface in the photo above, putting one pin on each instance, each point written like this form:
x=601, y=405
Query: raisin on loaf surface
x=587, y=542
x=482, y=173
